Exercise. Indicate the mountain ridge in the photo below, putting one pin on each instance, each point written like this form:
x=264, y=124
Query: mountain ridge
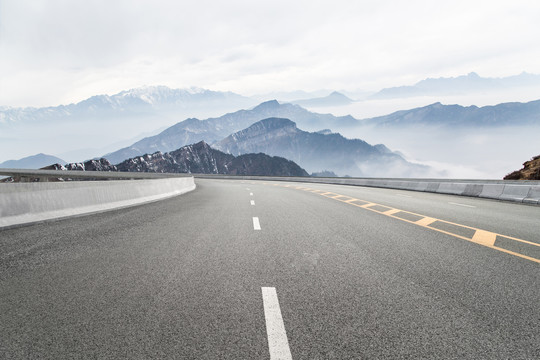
x=471, y=82
x=213, y=129
x=316, y=151
x=126, y=102
x=202, y=158
x=199, y=158
x=333, y=99
x=31, y=162
x=512, y=113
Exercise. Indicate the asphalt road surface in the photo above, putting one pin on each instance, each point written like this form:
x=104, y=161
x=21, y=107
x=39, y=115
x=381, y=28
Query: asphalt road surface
x=260, y=270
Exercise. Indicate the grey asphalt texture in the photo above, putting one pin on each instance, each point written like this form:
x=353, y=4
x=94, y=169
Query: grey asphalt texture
x=181, y=279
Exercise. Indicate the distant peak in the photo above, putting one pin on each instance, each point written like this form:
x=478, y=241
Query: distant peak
x=272, y=104
x=336, y=93
x=324, y=132
x=274, y=123
x=145, y=89
x=201, y=143
x=339, y=96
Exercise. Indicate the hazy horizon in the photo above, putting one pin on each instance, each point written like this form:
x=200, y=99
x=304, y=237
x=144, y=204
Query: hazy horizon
x=59, y=52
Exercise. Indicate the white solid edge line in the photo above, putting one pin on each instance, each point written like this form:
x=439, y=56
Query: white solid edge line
x=256, y=224
x=275, y=329
x=252, y=202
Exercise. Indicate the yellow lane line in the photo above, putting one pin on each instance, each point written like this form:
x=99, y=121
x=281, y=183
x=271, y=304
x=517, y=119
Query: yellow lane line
x=391, y=212
x=483, y=237
x=365, y=206
x=426, y=221
x=340, y=196
x=480, y=237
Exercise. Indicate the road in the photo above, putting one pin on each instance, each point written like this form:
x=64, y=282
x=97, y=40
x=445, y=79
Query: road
x=243, y=269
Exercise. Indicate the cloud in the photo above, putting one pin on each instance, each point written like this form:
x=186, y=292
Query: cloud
x=58, y=50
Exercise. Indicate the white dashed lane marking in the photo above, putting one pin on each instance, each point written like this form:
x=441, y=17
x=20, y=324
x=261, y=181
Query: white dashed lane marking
x=275, y=328
x=465, y=205
x=256, y=224
x=252, y=202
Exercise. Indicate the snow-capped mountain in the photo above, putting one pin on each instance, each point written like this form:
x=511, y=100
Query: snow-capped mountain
x=138, y=101
x=200, y=158
x=197, y=158
x=82, y=130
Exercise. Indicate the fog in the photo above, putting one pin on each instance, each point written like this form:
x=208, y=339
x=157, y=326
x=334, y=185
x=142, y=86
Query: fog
x=476, y=152
x=467, y=153
x=365, y=107
x=472, y=153
x=76, y=139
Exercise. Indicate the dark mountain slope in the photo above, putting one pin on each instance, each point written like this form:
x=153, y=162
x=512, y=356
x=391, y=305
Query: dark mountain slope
x=200, y=158
x=213, y=129
x=318, y=151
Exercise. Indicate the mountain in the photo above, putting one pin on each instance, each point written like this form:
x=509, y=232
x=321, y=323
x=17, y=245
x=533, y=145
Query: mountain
x=82, y=130
x=458, y=85
x=147, y=100
x=530, y=171
x=211, y=130
x=334, y=99
x=31, y=162
x=460, y=116
x=200, y=158
x=319, y=151
x=289, y=96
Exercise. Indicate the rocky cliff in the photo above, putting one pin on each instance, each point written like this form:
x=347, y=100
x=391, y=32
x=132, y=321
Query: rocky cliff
x=530, y=171
x=200, y=158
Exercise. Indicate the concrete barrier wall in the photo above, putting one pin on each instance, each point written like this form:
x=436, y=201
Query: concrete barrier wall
x=518, y=191
x=22, y=203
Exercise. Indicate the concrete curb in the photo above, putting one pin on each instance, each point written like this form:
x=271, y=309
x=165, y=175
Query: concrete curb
x=23, y=203
x=517, y=191
x=533, y=197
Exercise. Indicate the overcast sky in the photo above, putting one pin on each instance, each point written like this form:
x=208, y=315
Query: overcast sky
x=61, y=51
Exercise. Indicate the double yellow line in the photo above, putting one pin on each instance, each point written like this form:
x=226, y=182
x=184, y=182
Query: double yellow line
x=482, y=237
